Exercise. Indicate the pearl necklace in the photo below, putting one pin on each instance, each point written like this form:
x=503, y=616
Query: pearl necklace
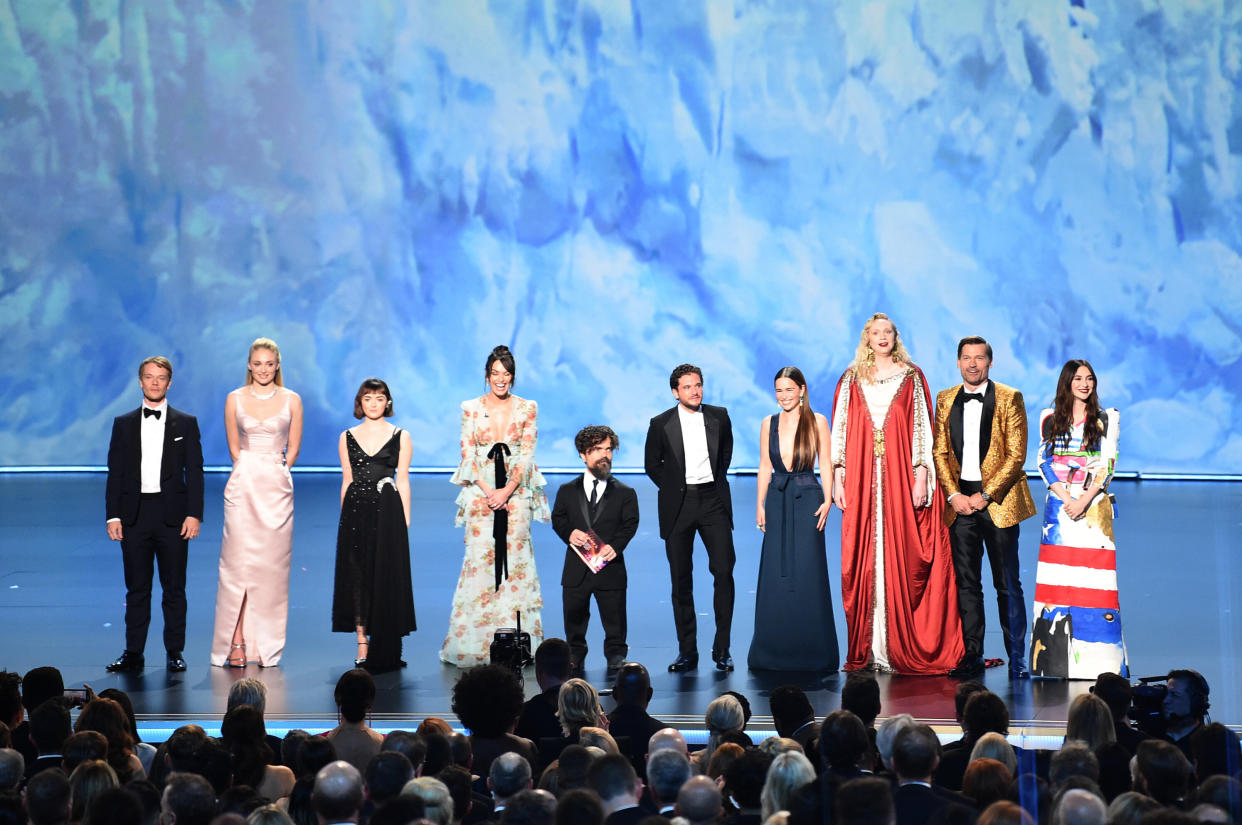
x=272, y=394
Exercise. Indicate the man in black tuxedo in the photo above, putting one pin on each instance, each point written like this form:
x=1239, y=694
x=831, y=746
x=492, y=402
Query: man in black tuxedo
x=688, y=451
x=155, y=506
x=916, y=752
x=600, y=504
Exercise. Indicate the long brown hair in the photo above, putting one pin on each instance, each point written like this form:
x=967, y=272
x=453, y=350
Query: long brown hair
x=1063, y=409
x=806, y=437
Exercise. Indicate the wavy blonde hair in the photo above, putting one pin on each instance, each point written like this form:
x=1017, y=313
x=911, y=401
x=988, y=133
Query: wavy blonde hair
x=864, y=358
x=264, y=343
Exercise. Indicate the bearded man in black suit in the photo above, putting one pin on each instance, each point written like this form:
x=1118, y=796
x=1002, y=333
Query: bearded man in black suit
x=154, y=504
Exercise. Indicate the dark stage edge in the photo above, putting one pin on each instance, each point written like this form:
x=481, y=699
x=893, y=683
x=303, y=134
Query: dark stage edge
x=1180, y=580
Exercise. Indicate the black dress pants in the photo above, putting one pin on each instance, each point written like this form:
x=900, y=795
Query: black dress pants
x=149, y=543
x=576, y=606
x=969, y=536
x=703, y=513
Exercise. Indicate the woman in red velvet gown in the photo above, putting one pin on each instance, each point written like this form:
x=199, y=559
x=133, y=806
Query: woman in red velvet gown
x=897, y=579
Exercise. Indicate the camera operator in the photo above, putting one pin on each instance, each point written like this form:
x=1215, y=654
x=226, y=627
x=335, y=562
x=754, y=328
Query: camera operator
x=1185, y=707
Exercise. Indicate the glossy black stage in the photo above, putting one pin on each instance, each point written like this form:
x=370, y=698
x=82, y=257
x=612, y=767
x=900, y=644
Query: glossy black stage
x=1179, y=573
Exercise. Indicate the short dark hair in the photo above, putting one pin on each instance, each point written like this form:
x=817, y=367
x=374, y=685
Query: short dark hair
x=412, y=745
x=843, y=740
x=611, y=776
x=386, y=775
x=114, y=805
x=744, y=778
x=1216, y=750
x=1199, y=688
x=790, y=706
x=505, y=356
x=529, y=807
x=439, y=754
x=553, y=658
x=457, y=780
x=1164, y=768
x=861, y=694
x=191, y=798
x=632, y=684
x=83, y=746
x=916, y=749
x=47, y=796
x=962, y=694
x=50, y=726
x=985, y=712
x=588, y=437
x=579, y=806
x=10, y=695
x=487, y=699
x=313, y=754
x=460, y=749
x=867, y=800
x=973, y=339
x=399, y=811
x=372, y=385
x=667, y=770
x=41, y=684
x=355, y=694
x=681, y=370
x=1116, y=692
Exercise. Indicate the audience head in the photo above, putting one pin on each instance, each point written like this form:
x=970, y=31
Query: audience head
x=667, y=771
x=790, y=709
x=745, y=778
x=699, y=801
x=245, y=736
x=289, y=747
x=1004, y=813
x=530, y=807
x=238, y=800
x=1225, y=792
x=149, y=795
x=437, y=802
x=776, y=745
x=1079, y=807
x=986, y=781
x=1090, y=721
x=354, y=695
x=12, y=769
x=127, y=707
x=861, y=695
x=411, y=745
x=1116, y=692
x=1204, y=812
x=47, y=797
x=553, y=663
x=1128, y=808
x=337, y=795
x=962, y=694
x=985, y=712
x=439, y=754
x=488, y=700
x=670, y=738
x=83, y=747
x=114, y=806
x=1214, y=748
x=577, y=706
x=613, y=778
x=404, y=810
x=1115, y=777
x=789, y=772
x=916, y=752
x=1162, y=771
x=744, y=702
x=572, y=767
x=458, y=781
x=864, y=801
x=107, y=717
x=188, y=799
x=1188, y=697
x=509, y=775
x=41, y=684
x=213, y=762
x=592, y=737
x=434, y=724
x=887, y=732
x=843, y=740
x=724, y=715
x=995, y=746
x=460, y=749
x=269, y=815
x=632, y=685
x=11, y=709
x=248, y=692
x=386, y=775
x=721, y=759
x=181, y=746
x=314, y=754
x=579, y=807
x=1073, y=759
x=87, y=780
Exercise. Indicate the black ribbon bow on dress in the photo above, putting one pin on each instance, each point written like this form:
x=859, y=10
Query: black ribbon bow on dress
x=500, y=518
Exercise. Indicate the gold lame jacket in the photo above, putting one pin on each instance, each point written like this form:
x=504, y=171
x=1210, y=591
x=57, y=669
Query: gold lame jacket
x=1003, y=476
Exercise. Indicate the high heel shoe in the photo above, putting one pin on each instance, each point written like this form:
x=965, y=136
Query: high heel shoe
x=361, y=661
x=233, y=659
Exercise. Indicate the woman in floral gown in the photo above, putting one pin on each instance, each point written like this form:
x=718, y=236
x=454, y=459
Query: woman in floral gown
x=502, y=492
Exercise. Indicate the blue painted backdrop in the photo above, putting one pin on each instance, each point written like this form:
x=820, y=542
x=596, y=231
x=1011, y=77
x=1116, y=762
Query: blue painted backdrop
x=612, y=188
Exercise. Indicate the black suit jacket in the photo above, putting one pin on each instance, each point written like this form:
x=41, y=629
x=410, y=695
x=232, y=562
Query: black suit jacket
x=665, y=460
x=919, y=804
x=538, y=719
x=616, y=522
x=638, y=726
x=181, y=468
x=626, y=816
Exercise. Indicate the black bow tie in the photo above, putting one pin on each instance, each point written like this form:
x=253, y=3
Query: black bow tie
x=972, y=396
x=147, y=412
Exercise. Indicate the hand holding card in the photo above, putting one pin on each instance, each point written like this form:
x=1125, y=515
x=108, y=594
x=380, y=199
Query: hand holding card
x=592, y=552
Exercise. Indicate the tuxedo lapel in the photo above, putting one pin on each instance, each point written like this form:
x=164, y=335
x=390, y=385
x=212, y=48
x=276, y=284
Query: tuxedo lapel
x=712, y=428
x=677, y=448
x=135, y=451
x=584, y=505
x=955, y=426
x=985, y=420
x=170, y=432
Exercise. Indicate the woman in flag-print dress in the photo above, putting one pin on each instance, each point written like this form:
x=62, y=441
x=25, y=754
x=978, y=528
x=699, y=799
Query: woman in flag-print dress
x=1077, y=629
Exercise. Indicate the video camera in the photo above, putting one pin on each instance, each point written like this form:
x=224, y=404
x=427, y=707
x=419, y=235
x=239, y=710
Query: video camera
x=511, y=647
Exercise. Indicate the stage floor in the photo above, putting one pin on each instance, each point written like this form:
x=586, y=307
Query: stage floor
x=63, y=599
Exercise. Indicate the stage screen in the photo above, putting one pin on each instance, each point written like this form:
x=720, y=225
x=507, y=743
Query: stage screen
x=611, y=189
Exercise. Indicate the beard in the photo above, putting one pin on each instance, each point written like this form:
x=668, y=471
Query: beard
x=601, y=469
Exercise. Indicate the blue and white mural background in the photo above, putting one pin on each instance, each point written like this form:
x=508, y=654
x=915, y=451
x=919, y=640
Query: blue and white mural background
x=612, y=188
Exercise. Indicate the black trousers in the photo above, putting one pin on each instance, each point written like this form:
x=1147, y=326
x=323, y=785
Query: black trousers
x=969, y=536
x=576, y=606
x=148, y=543
x=703, y=513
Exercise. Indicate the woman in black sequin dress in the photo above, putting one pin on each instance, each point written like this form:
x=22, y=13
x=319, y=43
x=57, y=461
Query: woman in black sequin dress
x=372, y=594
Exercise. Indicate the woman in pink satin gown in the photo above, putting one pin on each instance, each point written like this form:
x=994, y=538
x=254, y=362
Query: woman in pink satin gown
x=263, y=423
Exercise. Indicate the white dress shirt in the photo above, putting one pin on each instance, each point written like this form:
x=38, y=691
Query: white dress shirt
x=694, y=438
x=972, y=415
x=152, y=446
x=588, y=481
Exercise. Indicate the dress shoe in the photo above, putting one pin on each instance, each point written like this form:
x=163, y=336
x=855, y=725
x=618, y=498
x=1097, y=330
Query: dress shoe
x=176, y=663
x=1018, y=669
x=723, y=660
x=128, y=662
x=968, y=666
x=684, y=663
x=614, y=665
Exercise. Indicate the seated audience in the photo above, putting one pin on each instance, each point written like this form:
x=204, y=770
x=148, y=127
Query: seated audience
x=724, y=716
x=916, y=753
x=1162, y=772
x=387, y=773
x=337, y=795
x=866, y=800
x=885, y=735
x=411, y=745
x=793, y=716
x=1004, y=813
x=83, y=747
x=37, y=686
x=630, y=722
x=458, y=781
x=254, y=693
x=315, y=753
x=434, y=794
x=995, y=746
x=1073, y=759
x=718, y=765
x=743, y=784
x=245, y=736
x=1090, y=721
x=553, y=667
x=107, y=717
x=12, y=769
x=788, y=772
x=1130, y=807
x=984, y=712
x=1117, y=693
x=986, y=781
x=589, y=737
x=49, y=728
x=48, y=798
x=487, y=699
x=353, y=739
x=861, y=696
x=87, y=781
x=667, y=771
x=1215, y=750
x=579, y=807
x=612, y=777
x=1079, y=807
x=844, y=747
x=531, y=807
x=698, y=801
x=144, y=751
x=508, y=775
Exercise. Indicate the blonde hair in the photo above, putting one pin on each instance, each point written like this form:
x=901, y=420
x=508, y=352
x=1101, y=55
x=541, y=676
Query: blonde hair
x=577, y=706
x=269, y=815
x=993, y=745
x=789, y=772
x=264, y=343
x=86, y=782
x=159, y=361
x=1091, y=721
x=864, y=358
x=724, y=714
x=775, y=745
x=592, y=737
x=437, y=802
